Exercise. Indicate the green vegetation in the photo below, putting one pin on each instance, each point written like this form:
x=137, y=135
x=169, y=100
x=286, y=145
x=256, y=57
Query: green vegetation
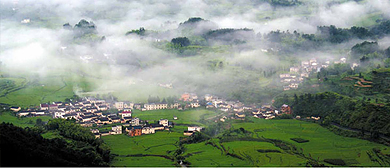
x=183, y=117
x=322, y=144
x=35, y=150
x=257, y=142
x=326, y=35
x=158, y=147
x=204, y=155
x=299, y=140
x=230, y=36
x=338, y=162
x=181, y=41
x=8, y=117
x=345, y=111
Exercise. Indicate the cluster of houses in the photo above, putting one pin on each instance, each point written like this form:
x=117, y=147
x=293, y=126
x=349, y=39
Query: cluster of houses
x=189, y=100
x=238, y=110
x=89, y=112
x=297, y=74
x=269, y=112
x=135, y=128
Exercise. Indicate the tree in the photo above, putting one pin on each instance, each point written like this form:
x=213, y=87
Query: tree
x=364, y=48
x=67, y=26
x=181, y=41
x=84, y=27
x=39, y=122
x=387, y=52
x=141, y=32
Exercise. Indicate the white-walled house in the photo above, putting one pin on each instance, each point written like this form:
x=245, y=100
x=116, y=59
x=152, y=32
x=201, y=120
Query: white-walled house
x=148, y=130
x=195, y=128
x=126, y=114
x=163, y=122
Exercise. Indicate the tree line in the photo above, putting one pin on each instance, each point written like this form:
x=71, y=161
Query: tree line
x=25, y=147
x=343, y=110
x=291, y=42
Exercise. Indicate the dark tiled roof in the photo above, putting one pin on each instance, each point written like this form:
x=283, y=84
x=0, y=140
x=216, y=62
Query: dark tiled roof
x=103, y=119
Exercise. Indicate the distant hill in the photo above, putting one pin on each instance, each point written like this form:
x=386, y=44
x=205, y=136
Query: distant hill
x=197, y=26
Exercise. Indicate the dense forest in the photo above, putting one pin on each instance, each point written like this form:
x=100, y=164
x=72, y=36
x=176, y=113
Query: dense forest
x=343, y=110
x=294, y=42
x=78, y=146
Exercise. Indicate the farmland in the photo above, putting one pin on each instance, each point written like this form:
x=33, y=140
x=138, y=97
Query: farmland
x=322, y=144
x=129, y=149
x=257, y=142
x=260, y=146
x=30, y=91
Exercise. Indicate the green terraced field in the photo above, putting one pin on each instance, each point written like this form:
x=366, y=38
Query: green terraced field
x=201, y=155
x=322, y=144
x=163, y=143
x=146, y=161
x=249, y=151
x=158, y=148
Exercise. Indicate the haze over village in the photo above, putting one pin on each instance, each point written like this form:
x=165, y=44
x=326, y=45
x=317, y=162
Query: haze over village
x=199, y=83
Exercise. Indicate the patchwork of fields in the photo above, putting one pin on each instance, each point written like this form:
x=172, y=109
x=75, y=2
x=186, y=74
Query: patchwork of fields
x=257, y=142
x=312, y=142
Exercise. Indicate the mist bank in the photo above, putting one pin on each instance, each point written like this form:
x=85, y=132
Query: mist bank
x=235, y=51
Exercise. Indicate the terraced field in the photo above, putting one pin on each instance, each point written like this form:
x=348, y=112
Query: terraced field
x=147, y=150
x=265, y=143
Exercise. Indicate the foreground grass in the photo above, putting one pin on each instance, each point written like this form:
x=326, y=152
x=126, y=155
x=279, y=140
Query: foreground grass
x=146, y=161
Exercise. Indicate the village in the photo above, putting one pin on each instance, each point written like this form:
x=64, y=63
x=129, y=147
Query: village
x=94, y=113
x=297, y=74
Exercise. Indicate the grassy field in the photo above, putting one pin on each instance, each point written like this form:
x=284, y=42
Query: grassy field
x=157, y=149
x=183, y=117
x=322, y=144
x=21, y=122
x=31, y=92
x=27, y=91
x=146, y=161
x=276, y=156
x=201, y=155
x=163, y=143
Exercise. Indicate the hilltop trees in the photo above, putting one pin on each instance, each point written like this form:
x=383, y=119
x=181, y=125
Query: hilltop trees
x=358, y=50
x=196, y=26
x=230, y=36
x=326, y=35
x=84, y=27
x=181, y=41
x=84, y=32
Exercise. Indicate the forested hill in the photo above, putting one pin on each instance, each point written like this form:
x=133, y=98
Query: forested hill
x=342, y=110
x=27, y=148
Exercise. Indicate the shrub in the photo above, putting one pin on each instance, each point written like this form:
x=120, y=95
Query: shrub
x=299, y=140
x=338, y=162
x=268, y=150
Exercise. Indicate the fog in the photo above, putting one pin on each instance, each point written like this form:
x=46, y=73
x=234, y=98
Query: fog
x=120, y=62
